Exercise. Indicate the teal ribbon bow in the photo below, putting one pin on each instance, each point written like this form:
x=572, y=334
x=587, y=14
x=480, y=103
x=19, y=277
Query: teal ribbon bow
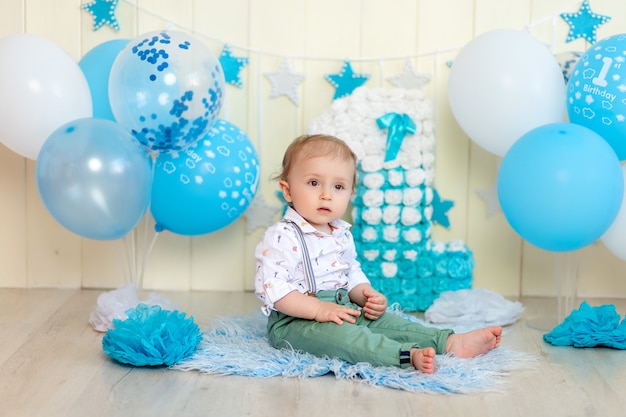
x=398, y=126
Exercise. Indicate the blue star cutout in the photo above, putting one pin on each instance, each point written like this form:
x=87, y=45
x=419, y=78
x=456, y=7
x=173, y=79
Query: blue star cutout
x=103, y=12
x=346, y=81
x=584, y=23
x=232, y=66
x=440, y=209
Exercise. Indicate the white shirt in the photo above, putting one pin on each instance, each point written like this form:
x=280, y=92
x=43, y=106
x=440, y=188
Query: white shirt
x=279, y=268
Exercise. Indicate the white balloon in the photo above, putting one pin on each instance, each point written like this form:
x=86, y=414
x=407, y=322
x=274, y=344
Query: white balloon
x=41, y=88
x=502, y=84
x=615, y=237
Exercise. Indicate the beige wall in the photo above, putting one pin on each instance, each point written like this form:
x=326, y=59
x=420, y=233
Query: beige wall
x=316, y=35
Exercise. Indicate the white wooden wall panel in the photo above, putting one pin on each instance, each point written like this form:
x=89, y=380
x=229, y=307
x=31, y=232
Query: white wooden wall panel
x=315, y=36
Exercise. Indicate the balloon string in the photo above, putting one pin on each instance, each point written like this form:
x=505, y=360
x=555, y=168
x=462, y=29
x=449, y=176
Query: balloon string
x=145, y=256
x=569, y=271
x=146, y=250
x=121, y=261
x=132, y=256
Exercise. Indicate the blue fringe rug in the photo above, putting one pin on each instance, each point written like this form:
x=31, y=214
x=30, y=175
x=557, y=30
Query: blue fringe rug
x=239, y=346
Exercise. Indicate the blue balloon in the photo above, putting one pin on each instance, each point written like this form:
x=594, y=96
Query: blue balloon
x=560, y=186
x=96, y=65
x=166, y=87
x=596, y=97
x=94, y=178
x=208, y=185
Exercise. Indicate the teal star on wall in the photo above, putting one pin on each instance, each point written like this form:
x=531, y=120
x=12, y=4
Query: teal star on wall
x=346, y=81
x=440, y=209
x=232, y=66
x=103, y=12
x=584, y=23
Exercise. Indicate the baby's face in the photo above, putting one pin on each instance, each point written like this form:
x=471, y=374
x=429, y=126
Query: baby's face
x=320, y=189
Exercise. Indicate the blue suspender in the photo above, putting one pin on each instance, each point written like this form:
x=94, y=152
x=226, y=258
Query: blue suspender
x=309, y=277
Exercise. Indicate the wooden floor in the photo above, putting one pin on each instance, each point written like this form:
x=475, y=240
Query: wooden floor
x=52, y=364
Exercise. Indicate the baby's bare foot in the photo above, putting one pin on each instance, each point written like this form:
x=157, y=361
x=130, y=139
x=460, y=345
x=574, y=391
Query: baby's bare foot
x=474, y=343
x=423, y=360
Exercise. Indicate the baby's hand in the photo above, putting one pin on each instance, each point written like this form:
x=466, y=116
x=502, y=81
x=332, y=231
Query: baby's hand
x=335, y=313
x=376, y=304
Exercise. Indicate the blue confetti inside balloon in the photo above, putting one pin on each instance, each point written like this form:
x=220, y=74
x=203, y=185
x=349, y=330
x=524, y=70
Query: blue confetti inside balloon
x=152, y=336
x=167, y=88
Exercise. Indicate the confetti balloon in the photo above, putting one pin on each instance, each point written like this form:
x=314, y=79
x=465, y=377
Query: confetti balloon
x=41, y=88
x=208, y=185
x=167, y=88
x=560, y=186
x=596, y=93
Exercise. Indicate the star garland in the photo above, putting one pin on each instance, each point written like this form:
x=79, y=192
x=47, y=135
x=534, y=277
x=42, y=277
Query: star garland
x=409, y=78
x=103, y=12
x=346, y=81
x=232, y=66
x=285, y=82
x=584, y=23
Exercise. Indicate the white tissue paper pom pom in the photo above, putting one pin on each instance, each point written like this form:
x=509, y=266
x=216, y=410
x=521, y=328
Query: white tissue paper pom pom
x=390, y=255
x=391, y=214
x=371, y=255
x=373, y=144
x=395, y=178
x=114, y=304
x=372, y=215
x=428, y=159
x=412, y=196
x=393, y=197
x=428, y=196
x=372, y=163
x=410, y=216
x=373, y=198
x=391, y=234
x=437, y=246
x=369, y=234
x=415, y=177
x=374, y=180
x=410, y=255
x=410, y=160
x=456, y=246
x=430, y=176
x=389, y=269
x=412, y=235
x=477, y=307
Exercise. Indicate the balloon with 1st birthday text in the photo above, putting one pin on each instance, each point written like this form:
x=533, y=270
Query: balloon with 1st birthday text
x=596, y=92
x=206, y=186
x=167, y=88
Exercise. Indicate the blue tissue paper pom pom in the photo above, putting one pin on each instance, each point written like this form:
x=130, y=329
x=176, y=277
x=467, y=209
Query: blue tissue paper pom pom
x=590, y=327
x=152, y=336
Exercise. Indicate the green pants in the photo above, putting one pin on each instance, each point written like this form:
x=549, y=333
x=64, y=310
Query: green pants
x=383, y=342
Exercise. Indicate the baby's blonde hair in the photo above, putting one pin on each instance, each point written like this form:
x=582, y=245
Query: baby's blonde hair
x=312, y=146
